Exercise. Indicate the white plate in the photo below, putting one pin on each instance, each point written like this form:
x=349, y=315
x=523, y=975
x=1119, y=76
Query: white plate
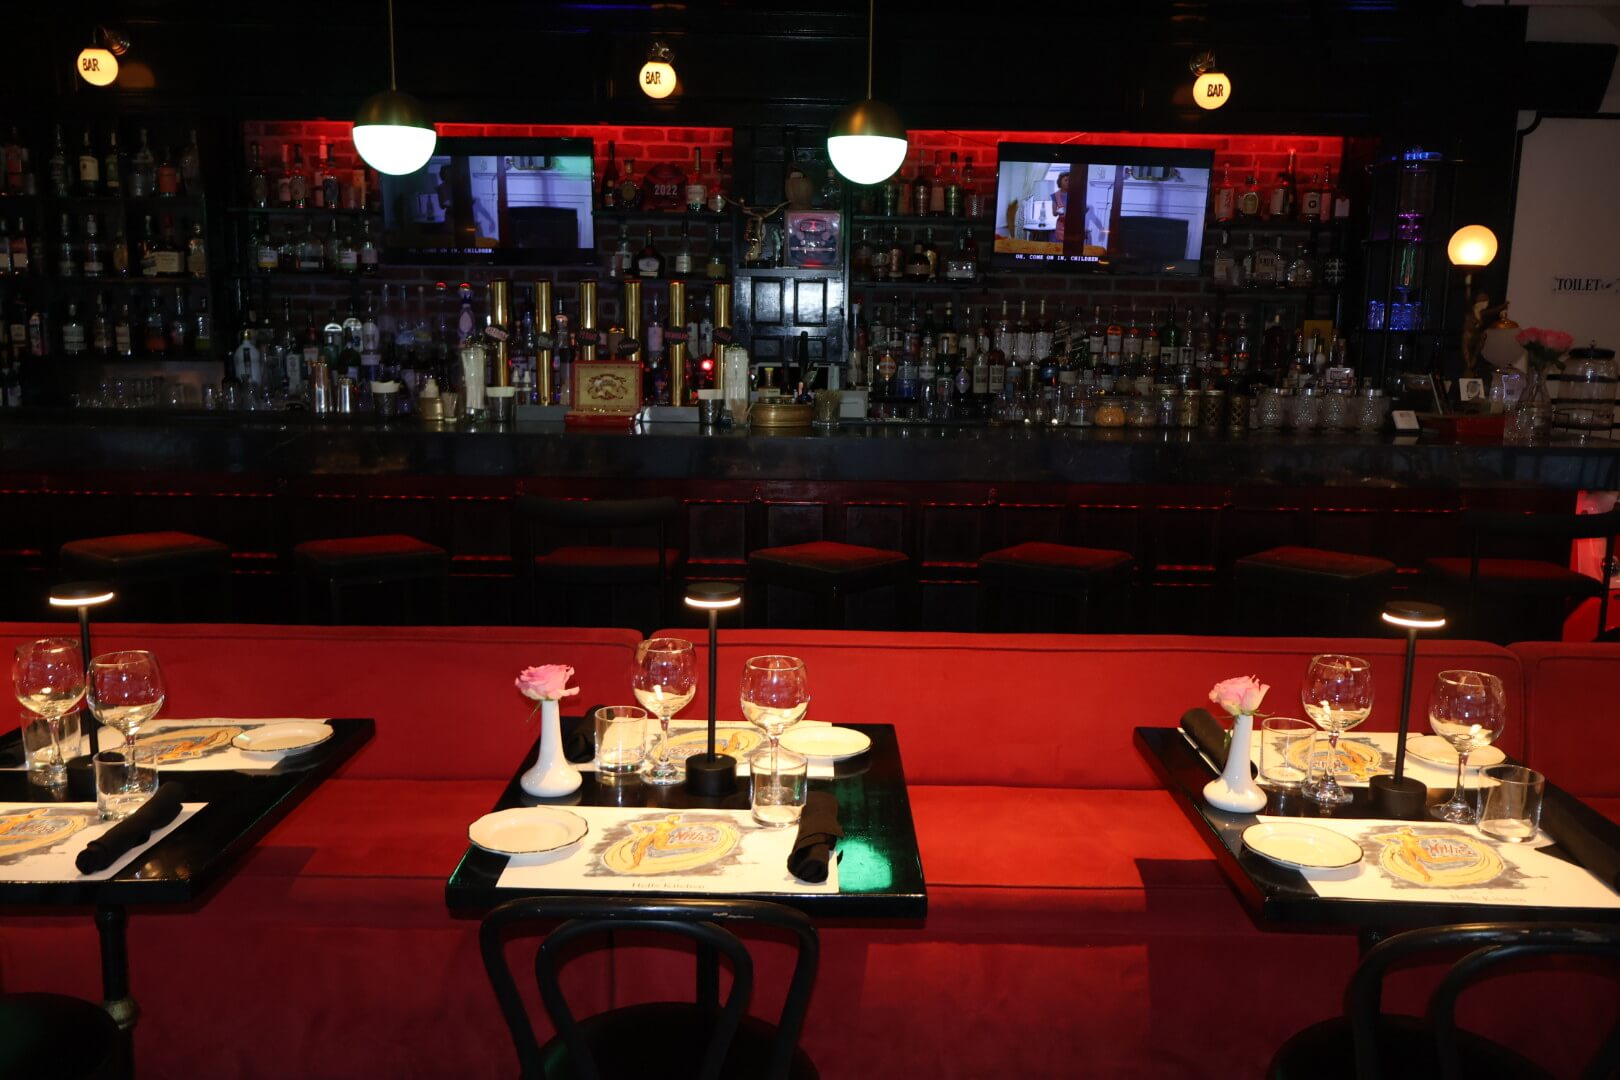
x=1437, y=751
x=826, y=743
x=527, y=830
x=283, y=738
x=1304, y=847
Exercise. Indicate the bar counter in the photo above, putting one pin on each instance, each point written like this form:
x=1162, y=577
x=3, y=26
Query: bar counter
x=292, y=444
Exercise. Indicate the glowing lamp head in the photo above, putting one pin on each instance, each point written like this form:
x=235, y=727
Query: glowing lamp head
x=866, y=142
x=1414, y=615
x=392, y=133
x=713, y=595
x=1471, y=245
x=97, y=66
x=657, y=78
x=1211, y=90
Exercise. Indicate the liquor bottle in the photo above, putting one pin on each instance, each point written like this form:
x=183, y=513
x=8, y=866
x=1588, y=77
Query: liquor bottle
x=717, y=189
x=682, y=263
x=348, y=252
x=284, y=177
x=118, y=253
x=629, y=190
x=1152, y=344
x=101, y=328
x=39, y=332
x=179, y=324
x=953, y=189
x=1281, y=198
x=1267, y=266
x=654, y=333
x=931, y=253
x=298, y=180
x=860, y=258
x=921, y=193
x=697, y=192
x=1225, y=197
x=111, y=169
x=171, y=260
x=1114, y=338
x=649, y=262
x=331, y=186
x=1248, y=202
x=95, y=252
x=1341, y=201
x=310, y=257
x=1023, y=348
x=67, y=257
x=19, y=250
x=996, y=369
x=202, y=340
x=936, y=189
x=1042, y=334
x=74, y=341
x=1245, y=266
x=14, y=164
x=717, y=268
x=1301, y=270
x=58, y=166
x=973, y=200
x=895, y=261
x=5, y=261
x=981, y=363
x=154, y=334
x=258, y=185
x=143, y=170
x=1189, y=343
x=196, y=252
x=1224, y=273
x=917, y=265
x=124, y=332
x=1096, y=339
x=1310, y=199
x=330, y=244
x=369, y=255
x=191, y=165
x=831, y=195
x=609, y=191
x=89, y=168
x=1003, y=338
x=1131, y=347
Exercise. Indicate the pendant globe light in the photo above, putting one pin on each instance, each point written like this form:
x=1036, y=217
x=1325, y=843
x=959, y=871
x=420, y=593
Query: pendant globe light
x=866, y=140
x=392, y=133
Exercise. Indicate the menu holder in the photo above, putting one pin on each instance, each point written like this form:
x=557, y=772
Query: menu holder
x=606, y=393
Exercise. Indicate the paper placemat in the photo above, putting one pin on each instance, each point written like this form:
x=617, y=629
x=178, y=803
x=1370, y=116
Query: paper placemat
x=1372, y=753
x=687, y=851
x=40, y=842
x=1454, y=864
x=196, y=745
x=688, y=737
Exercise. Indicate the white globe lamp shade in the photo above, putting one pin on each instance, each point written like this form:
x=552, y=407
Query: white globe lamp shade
x=392, y=133
x=1471, y=245
x=98, y=67
x=1211, y=90
x=866, y=142
x=657, y=79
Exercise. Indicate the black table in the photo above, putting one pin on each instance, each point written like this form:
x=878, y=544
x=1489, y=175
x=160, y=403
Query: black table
x=879, y=877
x=1275, y=894
x=242, y=806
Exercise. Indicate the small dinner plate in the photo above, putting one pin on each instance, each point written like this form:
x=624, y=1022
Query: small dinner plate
x=1437, y=751
x=1304, y=847
x=527, y=830
x=283, y=738
x=826, y=743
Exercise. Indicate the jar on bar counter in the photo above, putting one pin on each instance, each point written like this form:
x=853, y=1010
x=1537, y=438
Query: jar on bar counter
x=1237, y=414
x=1307, y=409
x=1336, y=410
x=1187, y=407
x=1109, y=412
x=1276, y=407
x=1142, y=412
x=1373, y=407
x=1212, y=411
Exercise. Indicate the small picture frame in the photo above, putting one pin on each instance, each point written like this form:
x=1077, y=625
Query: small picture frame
x=1405, y=420
x=1470, y=390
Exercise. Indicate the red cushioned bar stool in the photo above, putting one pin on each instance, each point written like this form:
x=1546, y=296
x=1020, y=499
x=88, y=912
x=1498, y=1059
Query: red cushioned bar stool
x=584, y=559
x=1308, y=591
x=356, y=562
x=156, y=574
x=828, y=570
x=1044, y=586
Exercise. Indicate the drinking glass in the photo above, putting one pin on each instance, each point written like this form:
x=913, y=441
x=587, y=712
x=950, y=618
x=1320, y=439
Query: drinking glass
x=126, y=691
x=1337, y=695
x=1468, y=709
x=124, y=780
x=48, y=679
x=621, y=739
x=775, y=695
x=665, y=682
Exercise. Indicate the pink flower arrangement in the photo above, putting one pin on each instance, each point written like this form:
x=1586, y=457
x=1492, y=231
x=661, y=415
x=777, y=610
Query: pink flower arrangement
x=548, y=682
x=1544, y=348
x=1240, y=696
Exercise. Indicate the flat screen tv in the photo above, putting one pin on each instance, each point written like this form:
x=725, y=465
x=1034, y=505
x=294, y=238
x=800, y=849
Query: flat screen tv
x=494, y=201
x=1109, y=209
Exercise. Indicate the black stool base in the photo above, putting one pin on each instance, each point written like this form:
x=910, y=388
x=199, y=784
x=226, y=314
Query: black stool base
x=711, y=774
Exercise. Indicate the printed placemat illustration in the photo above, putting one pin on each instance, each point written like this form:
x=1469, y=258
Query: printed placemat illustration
x=1360, y=758
x=739, y=740
x=40, y=843
x=193, y=745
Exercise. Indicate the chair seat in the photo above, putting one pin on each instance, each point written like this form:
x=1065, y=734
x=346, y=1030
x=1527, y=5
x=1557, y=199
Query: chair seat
x=1047, y=560
x=668, y=1039
x=371, y=556
x=145, y=554
x=1308, y=566
x=1531, y=576
x=1324, y=1051
x=57, y=1036
x=827, y=558
x=604, y=565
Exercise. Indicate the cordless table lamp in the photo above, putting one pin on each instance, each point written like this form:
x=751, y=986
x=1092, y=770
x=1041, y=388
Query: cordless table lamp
x=84, y=595
x=1400, y=796
x=712, y=773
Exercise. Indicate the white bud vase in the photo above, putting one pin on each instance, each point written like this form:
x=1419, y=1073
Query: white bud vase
x=1235, y=789
x=551, y=775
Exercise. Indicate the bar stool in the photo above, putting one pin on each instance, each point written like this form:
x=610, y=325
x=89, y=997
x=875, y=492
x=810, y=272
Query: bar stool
x=826, y=569
x=1309, y=591
x=58, y=1036
x=1517, y=599
x=566, y=547
x=359, y=561
x=1076, y=579
x=174, y=573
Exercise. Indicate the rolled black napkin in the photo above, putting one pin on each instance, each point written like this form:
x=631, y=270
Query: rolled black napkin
x=156, y=812
x=1207, y=733
x=580, y=746
x=1581, y=844
x=818, y=836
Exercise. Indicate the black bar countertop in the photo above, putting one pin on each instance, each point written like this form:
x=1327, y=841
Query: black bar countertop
x=301, y=444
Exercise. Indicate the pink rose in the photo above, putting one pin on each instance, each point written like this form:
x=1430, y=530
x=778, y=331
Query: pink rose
x=1557, y=340
x=1530, y=335
x=1240, y=696
x=548, y=682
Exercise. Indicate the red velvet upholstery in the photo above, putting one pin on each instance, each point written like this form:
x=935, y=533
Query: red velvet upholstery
x=1572, y=701
x=1313, y=563
x=1518, y=575
x=368, y=556
x=144, y=554
x=1061, y=557
x=826, y=558
x=604, y=565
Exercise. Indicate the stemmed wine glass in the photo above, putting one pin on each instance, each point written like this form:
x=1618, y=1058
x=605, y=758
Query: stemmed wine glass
x=1337, y=695
x=125, y=691
x=664, y=682
x=1468, y=709
x=775, y=695
x=48, y=679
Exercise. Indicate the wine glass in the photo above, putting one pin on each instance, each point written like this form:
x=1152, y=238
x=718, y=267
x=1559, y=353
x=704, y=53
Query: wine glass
x=664, y=682
x=1337, y=695
x=1468, y=709
x=48, y=679
x=775, y=695
x=126, y=691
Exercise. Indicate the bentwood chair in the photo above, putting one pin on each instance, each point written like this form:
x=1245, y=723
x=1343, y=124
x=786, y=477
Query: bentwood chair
x=575, y=555
x=1367, y=1043
x=53, y=1035
x=700, y=1039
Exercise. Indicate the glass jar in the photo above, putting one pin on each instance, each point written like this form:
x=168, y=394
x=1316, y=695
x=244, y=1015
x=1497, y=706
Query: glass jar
x=1373, y=407
x=1276, y=407
x=1109, y=412
x=1081, y=403
x=1586, y=391
x=1187, y=408
x=1142, y=412
x=1237, y=413
x=1335, y=410
x=1212, y=412
x=1169, y=406
x=1307, y=409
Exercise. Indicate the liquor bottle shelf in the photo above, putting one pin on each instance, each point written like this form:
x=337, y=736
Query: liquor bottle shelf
x=136, y=361
x=940, y=285
x=1273, y=294
x=660, y=217
x=915, y=219
x=90, y=202
x=1261, y=226
x=303, y=211
x=127, y=281
x=311, y=277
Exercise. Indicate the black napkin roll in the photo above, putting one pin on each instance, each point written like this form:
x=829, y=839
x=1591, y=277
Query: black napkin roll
x=1207, y=732
x=156, y=812
x=1587, y=848
x=580, y=746
x=818, y=836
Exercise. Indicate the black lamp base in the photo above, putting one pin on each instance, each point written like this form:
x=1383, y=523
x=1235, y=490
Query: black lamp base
x=1403, y=799
x=711, y=774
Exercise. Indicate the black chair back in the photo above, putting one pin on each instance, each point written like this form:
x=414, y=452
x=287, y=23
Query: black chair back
x=696, y=920
x=1489, y=945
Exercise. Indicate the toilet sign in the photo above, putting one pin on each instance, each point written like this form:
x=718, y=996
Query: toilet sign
x=1562, y=284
